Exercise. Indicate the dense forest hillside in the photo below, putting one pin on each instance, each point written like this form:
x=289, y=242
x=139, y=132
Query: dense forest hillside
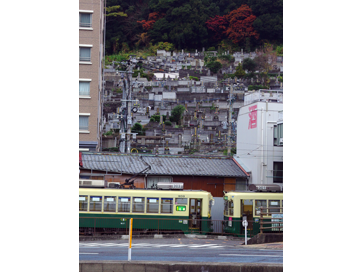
x=193, y=24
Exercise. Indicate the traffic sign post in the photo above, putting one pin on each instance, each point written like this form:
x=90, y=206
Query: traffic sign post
x=245, y=224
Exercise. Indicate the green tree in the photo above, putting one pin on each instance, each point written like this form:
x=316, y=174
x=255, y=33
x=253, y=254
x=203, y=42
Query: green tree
x=240, y=73
x=249, y=65
x=214, y=66
x=137, y=128
x=177, y=114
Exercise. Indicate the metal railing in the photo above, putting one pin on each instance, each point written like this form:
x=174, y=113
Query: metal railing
x=146, y=226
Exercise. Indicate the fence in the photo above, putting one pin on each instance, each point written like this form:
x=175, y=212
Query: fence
x=275, y=223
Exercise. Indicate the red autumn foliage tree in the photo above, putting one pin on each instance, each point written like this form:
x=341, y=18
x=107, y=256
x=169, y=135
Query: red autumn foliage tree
x=240, y=24
x=236, y=25
x=218, y=25
x=153, y=17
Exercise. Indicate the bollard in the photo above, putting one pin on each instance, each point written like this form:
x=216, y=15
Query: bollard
x=130, y=240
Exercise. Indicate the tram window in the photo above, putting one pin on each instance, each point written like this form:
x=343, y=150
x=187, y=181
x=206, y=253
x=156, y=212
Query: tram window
x=225, y=207
x=83, y=200
x=258, y=204
x=138, y=204
x=167, y=205
x=230, y=207
x=109, y=204
x=274, y=206
x=179, y=201
x=124, y=204
x=152, y=205
x=95, y=203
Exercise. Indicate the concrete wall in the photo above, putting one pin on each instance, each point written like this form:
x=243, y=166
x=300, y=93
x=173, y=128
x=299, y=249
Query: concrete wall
x=144, y=266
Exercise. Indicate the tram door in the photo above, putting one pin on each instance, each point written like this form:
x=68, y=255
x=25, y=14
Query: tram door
x=247, y=212
x=195, y=213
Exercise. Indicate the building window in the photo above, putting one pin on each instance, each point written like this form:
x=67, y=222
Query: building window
x=84, y=88
x=85, y=20
x=241, y=184
x=278, y=135
x=84, y=54
x=152, y=181
x=83, y=122
x=278, y=172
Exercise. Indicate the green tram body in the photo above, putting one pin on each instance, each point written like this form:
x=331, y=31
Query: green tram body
x=239, y=204
x=152, y=210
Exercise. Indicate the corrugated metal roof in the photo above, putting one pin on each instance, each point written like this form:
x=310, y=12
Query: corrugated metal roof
x=160, y=165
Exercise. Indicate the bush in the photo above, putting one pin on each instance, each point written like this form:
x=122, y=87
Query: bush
x=167, y=123
x=155, y=118
x=108, y=133
x=211, y=48
x=228, y=58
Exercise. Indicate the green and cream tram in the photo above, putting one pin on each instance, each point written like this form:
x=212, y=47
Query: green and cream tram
x=109, y=210
x=239, y=206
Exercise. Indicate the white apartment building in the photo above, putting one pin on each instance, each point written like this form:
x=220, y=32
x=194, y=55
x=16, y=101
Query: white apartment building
x=260, y=136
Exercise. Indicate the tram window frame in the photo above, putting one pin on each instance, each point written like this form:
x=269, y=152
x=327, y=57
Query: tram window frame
x=230, y=207
x=225, y=207
x=114, y=204
x=181, y=201
x=257, y=210
x=274, y=209
x=94, y=203
x=121, y=209
x=137, y=204
x=171, y=205
x=82, y=203
x=149, y=206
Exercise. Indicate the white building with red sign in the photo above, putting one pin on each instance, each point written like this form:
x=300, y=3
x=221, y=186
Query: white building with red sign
x=260, y=136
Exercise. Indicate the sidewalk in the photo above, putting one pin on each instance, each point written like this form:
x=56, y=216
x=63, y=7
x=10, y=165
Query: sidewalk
x=277, y=245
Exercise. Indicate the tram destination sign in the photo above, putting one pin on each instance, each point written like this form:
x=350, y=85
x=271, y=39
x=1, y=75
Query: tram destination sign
x=181, y=208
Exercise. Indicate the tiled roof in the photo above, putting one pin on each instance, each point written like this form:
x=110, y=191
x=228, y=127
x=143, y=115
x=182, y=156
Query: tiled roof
x=162, y=165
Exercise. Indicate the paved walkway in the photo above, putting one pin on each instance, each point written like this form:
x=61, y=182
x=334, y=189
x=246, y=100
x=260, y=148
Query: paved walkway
x=277, y=245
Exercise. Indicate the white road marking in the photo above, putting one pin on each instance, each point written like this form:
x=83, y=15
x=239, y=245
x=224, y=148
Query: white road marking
x=178, y=245
x=215, y=246
x=88, y=253
x=209, y=245
x=97, y=245
x=245, y=255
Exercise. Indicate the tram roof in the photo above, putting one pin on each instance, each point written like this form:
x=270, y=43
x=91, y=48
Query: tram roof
x=162, y=165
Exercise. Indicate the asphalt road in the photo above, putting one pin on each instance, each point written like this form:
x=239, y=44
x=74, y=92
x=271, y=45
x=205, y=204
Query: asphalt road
x=178, y=249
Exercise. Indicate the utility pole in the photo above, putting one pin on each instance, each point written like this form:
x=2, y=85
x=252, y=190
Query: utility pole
x=229, y=142
x=128, y=107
